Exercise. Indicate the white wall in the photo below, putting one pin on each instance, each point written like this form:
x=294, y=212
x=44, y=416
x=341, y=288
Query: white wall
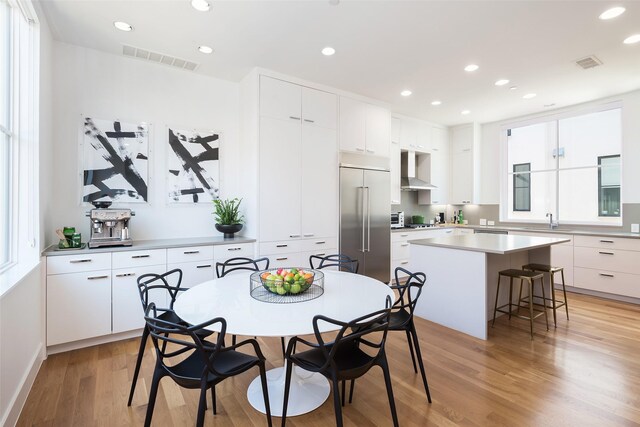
x=92, y=83
x=490, y=148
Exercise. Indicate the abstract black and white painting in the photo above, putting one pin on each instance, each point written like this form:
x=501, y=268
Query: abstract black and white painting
x=193, y=166
x=116, y=161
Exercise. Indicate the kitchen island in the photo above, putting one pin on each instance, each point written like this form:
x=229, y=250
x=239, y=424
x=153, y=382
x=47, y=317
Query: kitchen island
x=462, y=275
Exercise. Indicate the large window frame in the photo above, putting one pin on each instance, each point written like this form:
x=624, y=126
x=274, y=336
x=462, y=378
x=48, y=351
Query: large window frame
x=506, y=174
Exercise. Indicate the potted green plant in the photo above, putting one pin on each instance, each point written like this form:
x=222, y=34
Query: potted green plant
x=228, y=218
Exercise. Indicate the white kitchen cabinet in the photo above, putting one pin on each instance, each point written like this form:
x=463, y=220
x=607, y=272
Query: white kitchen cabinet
x=364, y=128
x=280, y=185
x=394, y=169
x=78, y=306
x=319, y=177
x=280, y=99
x=561, y=254
x=194, y=273
x=319, y=108
x=408, y=134
x=126, y=307
x=464, y=164
x=439, y=166
x=222, y=253
x=395, y=130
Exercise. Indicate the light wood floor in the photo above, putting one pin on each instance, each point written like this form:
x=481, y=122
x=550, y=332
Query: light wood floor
x=584, y=373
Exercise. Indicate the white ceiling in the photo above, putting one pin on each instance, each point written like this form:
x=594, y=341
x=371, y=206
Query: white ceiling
x=384, y=47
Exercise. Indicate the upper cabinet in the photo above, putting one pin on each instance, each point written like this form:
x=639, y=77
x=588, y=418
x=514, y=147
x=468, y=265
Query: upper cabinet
x=464, y=164
x=438, y=167
x=280, y=99
x=319, y=108
x=364, y=128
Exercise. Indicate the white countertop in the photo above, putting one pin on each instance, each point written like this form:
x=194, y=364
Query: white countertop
x=490, y=243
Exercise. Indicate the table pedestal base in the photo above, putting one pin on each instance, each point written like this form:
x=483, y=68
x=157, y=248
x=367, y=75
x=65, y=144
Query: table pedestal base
x=307, y=392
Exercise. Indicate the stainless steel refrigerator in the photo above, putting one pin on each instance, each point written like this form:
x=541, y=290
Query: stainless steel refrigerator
x=365, y=219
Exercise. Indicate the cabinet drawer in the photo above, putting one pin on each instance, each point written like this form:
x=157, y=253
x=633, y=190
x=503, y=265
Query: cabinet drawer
x=78, y=263
x=194, y=273
x=404, y=263
x=282, y=247
x=130, y=259
x=607, y=259
x=400, y=250
x=403, y=236
x=224, y=252
x=190, y=254
x=293, y=259
x=319, y=244
x=608, y=242
x=608, y=281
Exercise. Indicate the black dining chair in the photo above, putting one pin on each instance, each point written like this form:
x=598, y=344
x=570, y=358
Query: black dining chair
x=343, y=262
x=151, y=284
x=243, y=264
x=343, y=359
x=402, y=319
x=196, y=364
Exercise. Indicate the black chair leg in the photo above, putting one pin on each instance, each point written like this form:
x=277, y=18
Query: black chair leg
x=157, y=376
x=387, y=381
x=413, y=357
x=419, y=354
x=287, y=386
x=136, y=372
x=265, y=391
x=202, y=405
x=344, y=388
x=336, y=400
x=353, y=384
x=233, y=339
x=282, y=345
x=213, y=399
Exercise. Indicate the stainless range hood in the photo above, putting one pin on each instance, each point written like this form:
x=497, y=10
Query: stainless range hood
x=408, y=179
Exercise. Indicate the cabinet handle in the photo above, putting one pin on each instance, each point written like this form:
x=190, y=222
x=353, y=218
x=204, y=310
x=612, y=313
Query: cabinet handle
x=309, y=121
x=308, y=235
x=191, y=252
x=234, y=249
x=282, y=259
x=204, y=266
x=435, y=201
x=404, y=262
x=420, y=146
x=606, y=275
x=75, y=261
x=370, y=150
x=294, y=235
x=605, y=253
x=435, y=149
x=281, y=246
x=320, y=242
x=123, y=275
x=97, y=277
x=404, y=244
x=448, y=231
x=404, y=235
x=140, y=256
x=466, y=149
x=294, y=118
x=606, y=241
x=322, y=254
x=359, y=149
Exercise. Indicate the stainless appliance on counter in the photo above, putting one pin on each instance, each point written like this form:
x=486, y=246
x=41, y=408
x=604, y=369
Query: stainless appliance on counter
x=397, y=219
x=365, y=214
x=109, y=227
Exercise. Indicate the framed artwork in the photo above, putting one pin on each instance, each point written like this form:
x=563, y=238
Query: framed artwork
x=193, y=166
x=115, y=161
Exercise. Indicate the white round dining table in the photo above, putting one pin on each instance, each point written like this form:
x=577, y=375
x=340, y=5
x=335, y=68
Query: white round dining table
x=346, y=296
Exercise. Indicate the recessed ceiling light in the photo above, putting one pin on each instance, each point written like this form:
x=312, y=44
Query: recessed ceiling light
x=201, y=5
x=436, y=102
x=406, y=93
x=529, y=96
x=612, y=13
x=122, y=26
x=471, y=67
x=632, y=39
x=501, y=82
x=465, y=112
x=205, y=49
x=328, y=51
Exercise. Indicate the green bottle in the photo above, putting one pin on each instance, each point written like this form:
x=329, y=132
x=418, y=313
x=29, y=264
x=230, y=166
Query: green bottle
x=460, y=217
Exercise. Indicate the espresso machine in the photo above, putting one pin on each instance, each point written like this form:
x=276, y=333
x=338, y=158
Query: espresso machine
x=109, y=227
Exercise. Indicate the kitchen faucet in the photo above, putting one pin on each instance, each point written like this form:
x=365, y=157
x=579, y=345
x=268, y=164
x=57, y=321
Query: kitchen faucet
x=552, y=224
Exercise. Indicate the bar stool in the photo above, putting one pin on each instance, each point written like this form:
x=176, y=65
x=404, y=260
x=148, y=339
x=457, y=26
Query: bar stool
x=530, y=277
x=555, y=304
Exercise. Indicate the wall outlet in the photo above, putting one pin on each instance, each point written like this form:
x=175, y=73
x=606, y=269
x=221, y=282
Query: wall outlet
x=635, y=228
x=483, y=221
x=491, y=223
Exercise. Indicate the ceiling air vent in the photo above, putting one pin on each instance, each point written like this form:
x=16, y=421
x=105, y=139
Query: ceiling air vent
x=588, y=62
x=159, y=58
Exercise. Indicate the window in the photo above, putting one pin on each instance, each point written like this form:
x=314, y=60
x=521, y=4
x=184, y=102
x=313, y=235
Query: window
x=5, y=132
x=568, y=165
x=609, y=186
x=522, y=187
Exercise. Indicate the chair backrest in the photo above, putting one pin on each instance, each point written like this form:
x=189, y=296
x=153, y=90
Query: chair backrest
x=358, y=331
x=343, y=262
x=409, y=291
x=182, y=337
x=151, y=283
x=235, y=264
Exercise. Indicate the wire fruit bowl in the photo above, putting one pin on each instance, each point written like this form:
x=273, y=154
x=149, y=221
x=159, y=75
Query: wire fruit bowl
x=284, y=285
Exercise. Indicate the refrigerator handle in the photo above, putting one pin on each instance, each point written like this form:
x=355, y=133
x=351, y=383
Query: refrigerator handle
x=368, y=219
x=362, y=210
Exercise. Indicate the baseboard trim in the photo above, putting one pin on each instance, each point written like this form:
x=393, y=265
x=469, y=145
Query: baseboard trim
x=90, y=342
x=11, y=416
